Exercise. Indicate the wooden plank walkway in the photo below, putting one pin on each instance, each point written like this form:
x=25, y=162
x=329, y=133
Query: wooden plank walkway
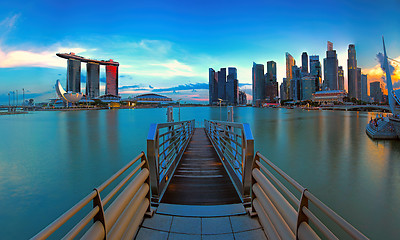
x=200, y=178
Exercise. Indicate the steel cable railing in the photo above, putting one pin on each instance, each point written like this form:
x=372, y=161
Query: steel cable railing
x=166, y=142
x=234, y=144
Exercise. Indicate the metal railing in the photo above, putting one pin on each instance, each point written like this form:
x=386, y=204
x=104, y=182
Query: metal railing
x=234, y=144
x=166, y=143
x=282, y=215
x=123, y=214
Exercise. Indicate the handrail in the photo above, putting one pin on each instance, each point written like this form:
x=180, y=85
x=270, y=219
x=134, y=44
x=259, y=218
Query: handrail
x=166, y=143
x=136, y=191
x=267, y=195
x=234, y=143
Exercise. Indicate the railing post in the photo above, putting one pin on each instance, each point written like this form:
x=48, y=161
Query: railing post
x=301, y=217
x=248, y=156
x=152, y=157
x=100, y=215
x=149, y=212
x=253, y=211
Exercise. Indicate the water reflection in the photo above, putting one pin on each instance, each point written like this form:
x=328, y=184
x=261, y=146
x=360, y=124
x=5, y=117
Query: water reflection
x=326, y=151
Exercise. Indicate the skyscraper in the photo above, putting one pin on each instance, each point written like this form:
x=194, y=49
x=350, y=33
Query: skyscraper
x=352, y=71
x=358, y=83
x=295, y=83
x=74, y=75
x=231, y=86
x=92, y=80
x=331, y=68
x=282, y=90
x=304, y=63
x=242, y=98
x=258, y=80
x=364, y=90
x=271, y=71
x=340, y=78
x=375, y=91
x=212, y=86
x=112, y=79
x=307, y=87
x=290, y=62
x=315, y=71
x=222, y=83
x=271, y=85
x=329, y=46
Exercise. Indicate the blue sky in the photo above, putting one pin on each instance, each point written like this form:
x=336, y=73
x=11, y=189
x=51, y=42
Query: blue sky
x=168, y=46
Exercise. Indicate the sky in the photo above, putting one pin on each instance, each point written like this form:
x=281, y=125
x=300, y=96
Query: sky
x=167, y=47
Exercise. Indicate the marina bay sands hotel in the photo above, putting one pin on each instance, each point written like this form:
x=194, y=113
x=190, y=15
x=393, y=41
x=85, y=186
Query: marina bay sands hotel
x=93, y=75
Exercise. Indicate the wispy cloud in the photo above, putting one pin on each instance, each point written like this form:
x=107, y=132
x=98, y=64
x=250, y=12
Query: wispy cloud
x=7, y=24
x=190, y=86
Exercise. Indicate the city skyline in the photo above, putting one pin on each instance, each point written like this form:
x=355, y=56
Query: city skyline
x=166, y=48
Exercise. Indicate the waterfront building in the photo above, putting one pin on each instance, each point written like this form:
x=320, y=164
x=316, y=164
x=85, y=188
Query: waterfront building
x=364, y=86
x=307, y=87
x=290, y=62
x=340, y=78
x=232, y=88
x=375, y=92
x=242, y=98
x=271, y=85
x=222, y=84
x=282, y=90
x=258, y=81
x=304, y=63
x=212, y=87
x=329, y=97
x=331, y=68
x=358, y=83
x=74, y=76
x=92, y=80
x=352, y=71
x=111, y=80
x=315, y=71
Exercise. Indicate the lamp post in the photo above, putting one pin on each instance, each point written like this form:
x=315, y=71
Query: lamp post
x=9, y=102
x=220, y=101
x=23, y=98
x=179, y=107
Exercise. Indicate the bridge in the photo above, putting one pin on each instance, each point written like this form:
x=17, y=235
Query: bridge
x=200, y=183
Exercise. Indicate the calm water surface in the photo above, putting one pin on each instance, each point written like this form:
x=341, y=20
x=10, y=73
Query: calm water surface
x=50, y=160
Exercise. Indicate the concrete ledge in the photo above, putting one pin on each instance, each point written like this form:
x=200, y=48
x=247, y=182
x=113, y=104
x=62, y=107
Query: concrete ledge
x=201, y=211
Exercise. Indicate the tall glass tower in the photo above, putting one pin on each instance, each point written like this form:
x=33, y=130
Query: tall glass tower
x=290, y=62
x=331, y=68
x=352, y=71
x=304, y=63
x=258, y=81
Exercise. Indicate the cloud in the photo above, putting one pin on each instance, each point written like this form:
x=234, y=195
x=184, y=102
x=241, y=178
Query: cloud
x=189, y=86
x=129, y=87
x=153, y=46
x=32, y=58
x=9, y=22
x=376, y=73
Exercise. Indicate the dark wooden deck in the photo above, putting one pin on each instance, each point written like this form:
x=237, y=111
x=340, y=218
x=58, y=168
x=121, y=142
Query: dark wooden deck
x=200, y=178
